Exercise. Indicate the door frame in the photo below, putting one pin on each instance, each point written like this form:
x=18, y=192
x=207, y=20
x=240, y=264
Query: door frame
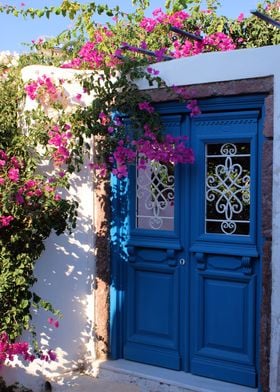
x=264, y=88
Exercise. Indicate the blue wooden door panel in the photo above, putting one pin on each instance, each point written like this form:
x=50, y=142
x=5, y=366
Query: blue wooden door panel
x=224, y=310
x=225, y=251
x=227, y=319
x=153, y=289
x=153, y=312
x=189, y=291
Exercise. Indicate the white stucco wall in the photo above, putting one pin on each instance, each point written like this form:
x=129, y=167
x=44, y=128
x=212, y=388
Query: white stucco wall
x=66, y=269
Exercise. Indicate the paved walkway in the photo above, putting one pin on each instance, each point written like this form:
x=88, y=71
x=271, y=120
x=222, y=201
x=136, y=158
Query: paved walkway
x=91, y=384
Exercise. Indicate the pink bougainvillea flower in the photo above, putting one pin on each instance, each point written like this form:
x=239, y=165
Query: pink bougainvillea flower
x=120, y=171
x=3, y=155
x=53, y=322
x=160, y=54
x=5, y=220
x=159, y=15
x=118, y=122
x=143, y=45
x=117, y=53
x=48, y=188
x=104, y=118
x=75, y=63
x=146, y=106
x=52, y=355
x=177, y=19
x=30, y=184
x=15, y=163
x=38, y=192
x=13, y=174
x=2, y=181
x=207, y=12
x=152, y=71
x=148, y=24
x=183, y=92
x=8, y=350
x=240, y=17
x=193, y=107
x=50, y=320
x=19, y=198
x=219, y=41
x=31, y=89
x=100, y=168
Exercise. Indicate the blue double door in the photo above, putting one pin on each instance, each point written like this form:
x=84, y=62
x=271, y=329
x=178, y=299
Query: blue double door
x=188, y=261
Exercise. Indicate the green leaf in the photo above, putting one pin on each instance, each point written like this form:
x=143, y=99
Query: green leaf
x=24, y=304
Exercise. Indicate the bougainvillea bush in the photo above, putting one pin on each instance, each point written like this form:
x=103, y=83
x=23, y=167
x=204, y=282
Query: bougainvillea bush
x=121, y=120
x=30, y=208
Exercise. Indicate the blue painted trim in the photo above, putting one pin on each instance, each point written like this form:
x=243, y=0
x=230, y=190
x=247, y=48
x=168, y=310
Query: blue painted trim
x=118, y=240
x=260, y=239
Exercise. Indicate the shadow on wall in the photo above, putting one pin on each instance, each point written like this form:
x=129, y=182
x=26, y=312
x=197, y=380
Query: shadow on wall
x=65, y=275
x=102, y=281
x=119, y=264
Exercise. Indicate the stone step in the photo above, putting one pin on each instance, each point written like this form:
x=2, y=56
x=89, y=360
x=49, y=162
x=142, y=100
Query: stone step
x=154, y=379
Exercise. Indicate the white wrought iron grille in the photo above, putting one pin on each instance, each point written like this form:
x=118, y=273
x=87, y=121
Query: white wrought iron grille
x=227, y=188
x=155, y=194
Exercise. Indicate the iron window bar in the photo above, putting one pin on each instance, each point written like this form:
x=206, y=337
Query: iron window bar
x=120, y=57
x=266, y=18
x=186, y=33
x=144, y=51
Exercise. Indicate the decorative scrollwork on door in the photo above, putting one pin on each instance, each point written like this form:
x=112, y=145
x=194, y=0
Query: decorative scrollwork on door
x=227, y=190
x=155, y=195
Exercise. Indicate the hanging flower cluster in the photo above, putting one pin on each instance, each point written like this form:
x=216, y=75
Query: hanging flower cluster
x=9, y=350
x=27, y=193
x=46, y=91
x=124, y=150
x=59, y=140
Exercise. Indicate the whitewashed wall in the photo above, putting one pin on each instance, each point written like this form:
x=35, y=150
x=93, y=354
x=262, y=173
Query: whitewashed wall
x=66, y=270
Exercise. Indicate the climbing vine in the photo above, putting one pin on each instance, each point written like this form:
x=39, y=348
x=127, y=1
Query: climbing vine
x=30, y=208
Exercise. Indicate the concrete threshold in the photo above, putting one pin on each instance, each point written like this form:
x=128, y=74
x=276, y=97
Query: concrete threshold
x=154, y=379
